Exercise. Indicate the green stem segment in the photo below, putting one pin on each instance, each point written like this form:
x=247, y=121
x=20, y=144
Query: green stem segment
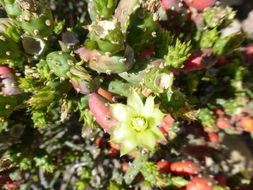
x=135, y=167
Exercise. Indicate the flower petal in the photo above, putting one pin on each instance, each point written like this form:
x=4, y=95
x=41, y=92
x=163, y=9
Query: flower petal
x=146, y=140
x=157, y=117
x=121, y=132
x=127, y=146
x=157, y=133
x=135, y=101
x=149, y=106
x=120, y=112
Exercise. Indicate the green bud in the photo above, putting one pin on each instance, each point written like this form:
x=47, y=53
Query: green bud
x=218, y=16
x=177, y=54
x=41, y=99
x=108, y=36
x=105, y=8
x=159, y=80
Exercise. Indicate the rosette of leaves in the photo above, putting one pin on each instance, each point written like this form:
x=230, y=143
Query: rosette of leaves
x=137, y=124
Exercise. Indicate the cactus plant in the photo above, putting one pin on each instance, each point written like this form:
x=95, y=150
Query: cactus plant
x=139, y=94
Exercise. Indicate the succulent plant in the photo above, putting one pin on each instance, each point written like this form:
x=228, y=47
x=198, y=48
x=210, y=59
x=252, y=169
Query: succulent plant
x=83, y=83
x=141, y=22
x=177, y=54
x=123, y=11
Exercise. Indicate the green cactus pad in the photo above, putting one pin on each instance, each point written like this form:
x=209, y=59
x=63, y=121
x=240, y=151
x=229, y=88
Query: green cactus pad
x=9, y=48
x=12, y=9
x=141, y=30
x=40, y=25
x=106, y=63
x=7, y=105
x=60, y=63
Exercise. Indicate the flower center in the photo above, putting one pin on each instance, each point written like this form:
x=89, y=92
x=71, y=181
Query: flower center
x=139, y=124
